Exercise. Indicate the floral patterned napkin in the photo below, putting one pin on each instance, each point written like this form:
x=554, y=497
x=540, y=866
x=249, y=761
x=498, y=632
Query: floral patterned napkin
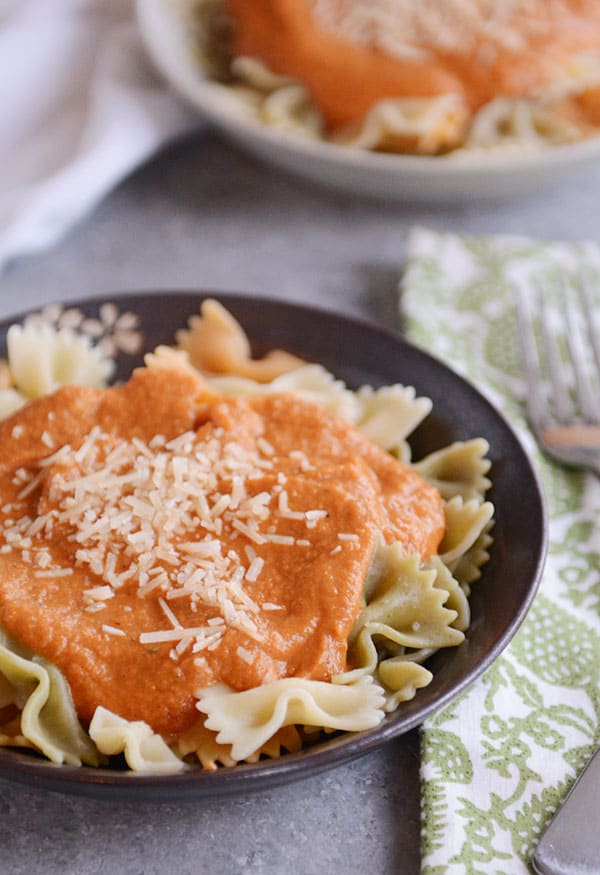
x=498, y=762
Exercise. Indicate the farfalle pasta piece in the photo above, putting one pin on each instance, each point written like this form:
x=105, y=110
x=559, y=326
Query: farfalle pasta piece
x=316, y=383
x=144, y=750
x=465, y=521
x=247, y=720
x=48, y=721
x=401, y=594
x=285, y=739
x=509, y=121
x=258, y=74
x=10, y=717
x=457, y=596
x=311, y=382
x=290, y=109
x=406, y=611
x=42, y=358
x=458, y=469
x=11, y=400
x=401, y=680
x=425, y=126
x=467, y=568
x=389, y=414
x=278, y=101
x=169, y=358
x=386, y=415
x=202, y=742
x=368, y=662
x=217, y=344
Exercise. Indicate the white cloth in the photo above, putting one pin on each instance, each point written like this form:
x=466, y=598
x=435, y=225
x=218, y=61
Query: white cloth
x=80, y=108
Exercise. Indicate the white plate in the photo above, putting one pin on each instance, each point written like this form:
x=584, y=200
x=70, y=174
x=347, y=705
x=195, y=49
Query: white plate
x=393, y=177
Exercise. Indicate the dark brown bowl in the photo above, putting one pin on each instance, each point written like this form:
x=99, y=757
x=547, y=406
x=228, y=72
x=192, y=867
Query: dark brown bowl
x=359, y=353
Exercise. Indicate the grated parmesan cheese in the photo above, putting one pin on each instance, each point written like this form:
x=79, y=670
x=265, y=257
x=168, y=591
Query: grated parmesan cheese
x=412, y=29
x=112, y=630
x=158, y=514
x=99, y=593
x=246, y=655
x=54, y=572
x=254, y=569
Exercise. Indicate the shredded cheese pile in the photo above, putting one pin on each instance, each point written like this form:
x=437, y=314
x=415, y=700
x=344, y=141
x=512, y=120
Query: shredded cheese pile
x=408, y=28
x=162, y=515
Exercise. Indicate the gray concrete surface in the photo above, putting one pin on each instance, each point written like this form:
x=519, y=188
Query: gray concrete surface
x=204, y=215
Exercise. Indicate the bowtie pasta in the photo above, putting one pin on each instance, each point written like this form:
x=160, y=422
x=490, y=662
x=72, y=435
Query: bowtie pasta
x=223, y=558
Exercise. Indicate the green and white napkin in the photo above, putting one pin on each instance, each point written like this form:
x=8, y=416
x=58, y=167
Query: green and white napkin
x=497, y=763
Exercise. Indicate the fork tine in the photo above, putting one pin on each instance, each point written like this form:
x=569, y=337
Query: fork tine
x=577, y=343
x=593, y=330
x=563, y=406
x=562, y=423
x=536, y=406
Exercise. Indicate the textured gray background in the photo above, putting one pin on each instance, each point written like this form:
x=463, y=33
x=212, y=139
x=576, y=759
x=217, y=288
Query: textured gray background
x=204, y=215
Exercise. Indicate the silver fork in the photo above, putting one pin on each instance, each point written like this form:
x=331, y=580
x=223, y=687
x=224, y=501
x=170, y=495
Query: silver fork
x=560, y=348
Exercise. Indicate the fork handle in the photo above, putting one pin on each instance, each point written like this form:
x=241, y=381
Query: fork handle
x=571, y=844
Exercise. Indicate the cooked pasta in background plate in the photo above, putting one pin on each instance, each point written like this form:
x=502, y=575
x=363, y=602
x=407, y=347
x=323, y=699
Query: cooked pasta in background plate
x=223, y=557
x=426, y=77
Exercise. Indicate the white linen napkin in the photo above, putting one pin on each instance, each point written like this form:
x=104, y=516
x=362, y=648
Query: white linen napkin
x=81, y=108
x=498, y=762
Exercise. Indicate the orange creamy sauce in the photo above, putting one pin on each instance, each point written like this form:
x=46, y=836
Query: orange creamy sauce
x=346, y=79
x=290, y=473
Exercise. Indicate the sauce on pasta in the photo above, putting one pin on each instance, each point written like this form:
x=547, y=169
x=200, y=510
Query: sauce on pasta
x=157, y=538
x=347, y=54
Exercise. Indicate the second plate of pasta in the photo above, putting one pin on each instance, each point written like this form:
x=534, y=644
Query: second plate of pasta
x=526, y=160
x=424, y=661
